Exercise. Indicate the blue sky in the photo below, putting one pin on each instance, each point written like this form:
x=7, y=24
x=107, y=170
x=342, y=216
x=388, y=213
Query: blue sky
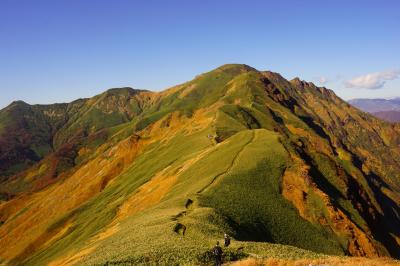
x=57, y=51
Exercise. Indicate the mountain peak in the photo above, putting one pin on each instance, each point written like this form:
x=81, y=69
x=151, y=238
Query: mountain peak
x=18, y=102
x=299, y=82
x=122, y=90
x=236, y=68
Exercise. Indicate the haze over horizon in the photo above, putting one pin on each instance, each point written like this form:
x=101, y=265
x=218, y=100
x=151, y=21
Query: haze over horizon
x=57, y=52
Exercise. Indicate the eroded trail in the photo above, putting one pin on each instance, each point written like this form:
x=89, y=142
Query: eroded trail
x=190, y=204
x=233, y=163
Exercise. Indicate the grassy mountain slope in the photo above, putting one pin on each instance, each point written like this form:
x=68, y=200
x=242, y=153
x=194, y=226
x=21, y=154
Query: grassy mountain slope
x=135, y=176
x=26, y=134
x=38, y=129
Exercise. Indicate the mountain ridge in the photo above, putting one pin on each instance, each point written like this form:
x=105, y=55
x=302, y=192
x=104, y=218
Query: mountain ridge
x=129, y=160
x=377, y=104
x=390, y=116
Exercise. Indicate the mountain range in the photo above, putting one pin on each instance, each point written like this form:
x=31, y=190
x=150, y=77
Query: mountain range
x=286, y=168
x=386, y=109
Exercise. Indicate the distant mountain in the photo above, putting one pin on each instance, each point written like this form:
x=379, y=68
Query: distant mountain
x=30, y=132
x=135, y=177
x=376, y=105
x=391, y=116
x=386, y=109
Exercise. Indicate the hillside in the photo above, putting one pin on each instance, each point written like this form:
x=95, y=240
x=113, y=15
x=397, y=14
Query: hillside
x=129, y=176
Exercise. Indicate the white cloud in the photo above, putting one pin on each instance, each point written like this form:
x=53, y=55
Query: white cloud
x=372, y=81
x=323, y=80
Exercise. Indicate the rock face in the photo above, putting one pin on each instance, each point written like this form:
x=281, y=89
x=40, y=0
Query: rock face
x=235, y=150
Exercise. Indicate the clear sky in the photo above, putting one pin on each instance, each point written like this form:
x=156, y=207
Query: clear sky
x=57, y=51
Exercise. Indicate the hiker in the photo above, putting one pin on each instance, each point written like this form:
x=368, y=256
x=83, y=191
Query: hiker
x=227, y=240
x=218, y=254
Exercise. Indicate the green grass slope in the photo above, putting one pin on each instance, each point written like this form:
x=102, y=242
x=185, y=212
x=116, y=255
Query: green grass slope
x=249, y=195
x=152, y=236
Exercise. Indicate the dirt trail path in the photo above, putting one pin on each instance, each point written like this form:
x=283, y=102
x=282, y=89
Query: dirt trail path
x=190, y=204
x=234, y=162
